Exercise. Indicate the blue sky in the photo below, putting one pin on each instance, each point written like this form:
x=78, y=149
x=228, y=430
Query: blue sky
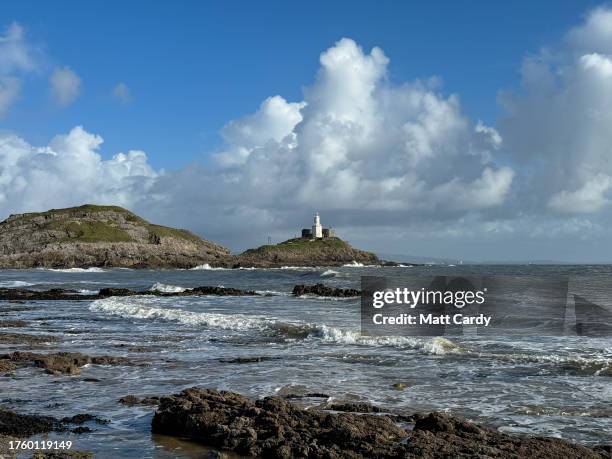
x=472, y=130
x=192, y=66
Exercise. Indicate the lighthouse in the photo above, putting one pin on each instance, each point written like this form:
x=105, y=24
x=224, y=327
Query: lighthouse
x=317, y=229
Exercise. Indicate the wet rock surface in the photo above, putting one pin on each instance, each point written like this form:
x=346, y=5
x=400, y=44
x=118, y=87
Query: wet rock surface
x=440, y=435
x=324, y=290
x=64, y=294
x=25, y=425
x=83, y=418
x=132, y=400
x=19, y=294
x=255, y=359
x=13, y=323
x=62, y=362
x=15, y=425
x=6, y=366
x=27, y=338
x=203, y=290
x=273, y=427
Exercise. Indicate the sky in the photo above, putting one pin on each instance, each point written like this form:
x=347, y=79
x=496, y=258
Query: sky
x=469, y=130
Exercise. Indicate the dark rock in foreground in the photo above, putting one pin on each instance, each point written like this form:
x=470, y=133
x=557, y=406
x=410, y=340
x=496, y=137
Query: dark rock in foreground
x=323, y=290
x=440, y=435
x=62, y=362
x=63, y=294
x=25, y=425
x=273, y=427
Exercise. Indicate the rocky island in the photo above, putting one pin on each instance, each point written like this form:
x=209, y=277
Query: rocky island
x=331, y=251
x=99, y=236
x=113, y=237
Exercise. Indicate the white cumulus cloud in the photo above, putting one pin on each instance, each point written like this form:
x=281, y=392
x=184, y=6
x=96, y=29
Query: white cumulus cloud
x=69, y=171
x=558, y=126
x=368, y=150
x=356, y=146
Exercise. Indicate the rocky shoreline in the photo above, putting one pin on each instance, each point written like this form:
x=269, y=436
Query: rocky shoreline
x=275, y=427
x=56, y=294
x=293, y=424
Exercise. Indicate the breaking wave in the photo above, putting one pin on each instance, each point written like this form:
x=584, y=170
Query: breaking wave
x=76, y=270
x=206, y=267
x=329, y=273
x=166, y=288
x=137, y=308
x=354, y=264
x=13, y=284
x=140, y=308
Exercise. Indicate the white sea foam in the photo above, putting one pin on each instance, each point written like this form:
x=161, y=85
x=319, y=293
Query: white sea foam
x=297, y=268
x=591, y=365
x=308, y=296
x=166, y=288
x=206, y=267
x=12, y=284
x=84, y=291
x=272, y=293
x=329, y=273
x=140, y=308
x=354, y=264
x=77, y=270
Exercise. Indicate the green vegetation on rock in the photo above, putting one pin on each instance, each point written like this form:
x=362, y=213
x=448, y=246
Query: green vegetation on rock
x=89, y=231
x=92, y=235
x=300, y=245
x=306, y=252
x=164, y=231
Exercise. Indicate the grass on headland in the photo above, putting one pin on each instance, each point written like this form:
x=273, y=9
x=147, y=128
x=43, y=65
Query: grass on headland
x=300, y=245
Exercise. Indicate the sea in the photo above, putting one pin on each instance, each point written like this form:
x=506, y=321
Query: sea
x=278, y=344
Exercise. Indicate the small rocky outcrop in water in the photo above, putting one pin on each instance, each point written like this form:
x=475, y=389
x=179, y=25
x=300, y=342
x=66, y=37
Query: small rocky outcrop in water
x=324, y=290
x=63, y=294
x=273, y=427
x=62, y=362
x=331, y=251
x=15, y=425
x=24, y=425
x=103, y=236
x=132, y=400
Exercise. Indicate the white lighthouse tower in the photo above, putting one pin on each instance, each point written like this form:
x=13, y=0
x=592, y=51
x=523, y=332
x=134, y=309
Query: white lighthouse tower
x=317, y=229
